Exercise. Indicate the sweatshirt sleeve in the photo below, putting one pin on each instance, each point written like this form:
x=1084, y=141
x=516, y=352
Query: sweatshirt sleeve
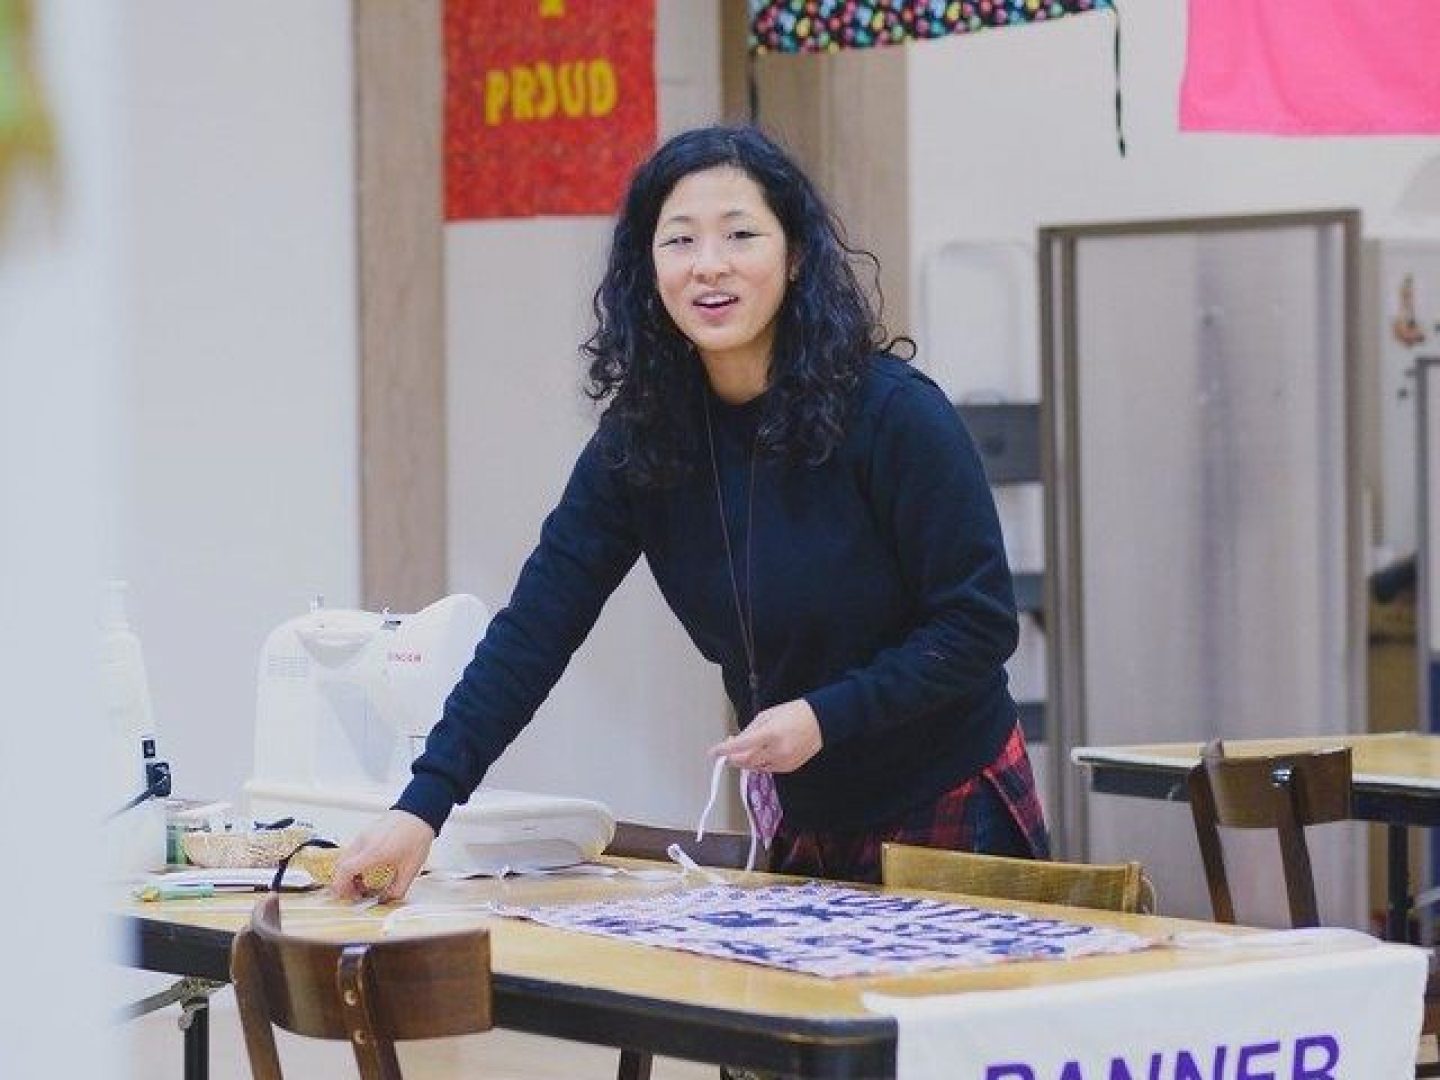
x=587, y=546
x=928, y=490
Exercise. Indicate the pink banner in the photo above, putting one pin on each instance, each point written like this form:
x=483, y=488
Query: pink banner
x=1313, y=67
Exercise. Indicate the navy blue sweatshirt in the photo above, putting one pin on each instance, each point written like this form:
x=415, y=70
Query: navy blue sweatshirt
x=881, y=596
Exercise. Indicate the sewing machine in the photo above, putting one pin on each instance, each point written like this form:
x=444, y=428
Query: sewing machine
x=345, y=701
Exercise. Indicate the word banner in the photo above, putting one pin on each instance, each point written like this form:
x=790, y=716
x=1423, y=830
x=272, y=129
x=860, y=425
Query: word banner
x=549, y=104
x=1350, y=1015
x=789, y=26
x=832, y=931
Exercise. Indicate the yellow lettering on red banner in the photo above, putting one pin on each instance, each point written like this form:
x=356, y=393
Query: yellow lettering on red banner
x=604, y=90
x=545, y=96
x=497, y=94
x=548, y=104
x=572, y=89
x=533, y=91
x=522, y=93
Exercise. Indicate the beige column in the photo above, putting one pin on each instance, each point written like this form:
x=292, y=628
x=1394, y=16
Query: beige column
x=845, y=116
x=398, y=94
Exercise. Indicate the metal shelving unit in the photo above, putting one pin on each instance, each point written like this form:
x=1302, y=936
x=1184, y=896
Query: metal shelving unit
x=1007, y=435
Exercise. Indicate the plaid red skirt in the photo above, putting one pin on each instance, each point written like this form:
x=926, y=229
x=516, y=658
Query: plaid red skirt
x=996, y=812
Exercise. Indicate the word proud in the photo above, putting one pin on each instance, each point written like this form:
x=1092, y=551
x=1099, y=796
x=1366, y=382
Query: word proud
x=539, y=91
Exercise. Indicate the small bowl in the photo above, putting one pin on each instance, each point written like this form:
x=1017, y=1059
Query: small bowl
x=252, y=848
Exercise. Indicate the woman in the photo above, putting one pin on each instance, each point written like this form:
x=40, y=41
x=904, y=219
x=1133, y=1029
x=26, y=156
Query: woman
x=813, y=512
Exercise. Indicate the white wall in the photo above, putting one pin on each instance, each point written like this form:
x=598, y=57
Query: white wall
x=59, y=328
x=1012, y=129
x=631, y=719
x=239, y=501
x=237, y=482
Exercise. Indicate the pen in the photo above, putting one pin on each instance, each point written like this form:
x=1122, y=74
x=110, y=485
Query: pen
x=174, y=892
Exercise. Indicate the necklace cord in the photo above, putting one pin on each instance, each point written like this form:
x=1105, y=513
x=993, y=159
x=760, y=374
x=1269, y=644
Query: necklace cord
x=744, y=613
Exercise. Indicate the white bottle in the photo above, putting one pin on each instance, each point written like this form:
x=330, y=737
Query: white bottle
x=134, y=837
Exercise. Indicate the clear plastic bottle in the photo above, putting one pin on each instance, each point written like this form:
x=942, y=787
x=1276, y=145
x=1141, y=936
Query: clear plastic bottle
x=135, y=837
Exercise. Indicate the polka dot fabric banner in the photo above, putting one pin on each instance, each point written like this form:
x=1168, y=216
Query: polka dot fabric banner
x=790, y=26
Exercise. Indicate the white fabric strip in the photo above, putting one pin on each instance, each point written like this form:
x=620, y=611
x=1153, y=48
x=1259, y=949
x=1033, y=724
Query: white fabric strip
x=1347, y=1013
x=716, y=775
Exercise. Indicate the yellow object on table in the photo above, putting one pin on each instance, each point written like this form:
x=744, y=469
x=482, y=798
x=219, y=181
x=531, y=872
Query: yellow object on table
x=320, y=863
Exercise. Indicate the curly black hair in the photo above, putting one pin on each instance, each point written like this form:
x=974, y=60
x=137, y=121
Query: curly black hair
x=826, y=328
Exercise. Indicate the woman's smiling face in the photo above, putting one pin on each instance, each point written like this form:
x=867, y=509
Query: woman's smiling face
x=721, y=268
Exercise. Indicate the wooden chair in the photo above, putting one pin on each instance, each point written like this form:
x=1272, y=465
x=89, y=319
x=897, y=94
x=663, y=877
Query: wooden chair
x=1286, y=793
x=633, y=840
x=1282, y=792
x=372, y=994
x=1103, y=886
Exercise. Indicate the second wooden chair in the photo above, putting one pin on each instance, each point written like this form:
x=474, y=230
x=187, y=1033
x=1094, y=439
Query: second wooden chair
x=1281, y=792
x=1285, y=793
x=1103, y=886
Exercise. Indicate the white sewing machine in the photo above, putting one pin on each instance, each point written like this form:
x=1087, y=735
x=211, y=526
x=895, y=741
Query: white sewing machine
x=346, y=699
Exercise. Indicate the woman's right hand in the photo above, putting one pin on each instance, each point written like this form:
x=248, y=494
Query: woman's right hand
x=397, y=839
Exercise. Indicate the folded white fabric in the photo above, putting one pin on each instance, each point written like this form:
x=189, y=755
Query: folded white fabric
x=1351, y=1012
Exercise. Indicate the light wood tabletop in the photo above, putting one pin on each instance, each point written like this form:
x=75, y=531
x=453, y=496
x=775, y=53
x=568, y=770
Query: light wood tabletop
x=557, y=982
x=1396, y=784
x=1400, y=757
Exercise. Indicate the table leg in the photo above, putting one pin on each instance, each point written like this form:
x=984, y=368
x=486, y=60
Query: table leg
x=195, y=1019
x=1397, y=916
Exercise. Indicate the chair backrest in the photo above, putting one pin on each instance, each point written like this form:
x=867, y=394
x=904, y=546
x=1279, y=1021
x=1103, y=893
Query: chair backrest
x=372, y=994
x=633, y=840
x=1283, y=792
x=1103, y=886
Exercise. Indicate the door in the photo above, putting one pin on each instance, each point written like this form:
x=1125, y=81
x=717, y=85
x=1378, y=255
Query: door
x=1203, y=518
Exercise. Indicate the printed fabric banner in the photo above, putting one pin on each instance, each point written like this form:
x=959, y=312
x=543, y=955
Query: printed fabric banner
x=833, y=931
x=1312, y=67
x=789, y=26
x=549, y=104
x=1348, y=1015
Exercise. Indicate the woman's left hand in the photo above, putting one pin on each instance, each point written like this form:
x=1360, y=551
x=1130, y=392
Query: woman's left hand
x=779, y=739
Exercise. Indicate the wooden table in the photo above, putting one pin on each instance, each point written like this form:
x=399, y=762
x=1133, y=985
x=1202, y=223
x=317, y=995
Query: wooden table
x=592, y=989
x=1396, y=783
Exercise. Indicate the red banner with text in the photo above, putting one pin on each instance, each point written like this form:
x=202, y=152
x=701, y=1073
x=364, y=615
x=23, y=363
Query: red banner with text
x=549, y=104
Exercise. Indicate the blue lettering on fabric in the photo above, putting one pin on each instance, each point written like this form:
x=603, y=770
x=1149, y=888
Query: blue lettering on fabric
x=1249, y=1054
x=1309, y=1057
x=1304, y=1069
